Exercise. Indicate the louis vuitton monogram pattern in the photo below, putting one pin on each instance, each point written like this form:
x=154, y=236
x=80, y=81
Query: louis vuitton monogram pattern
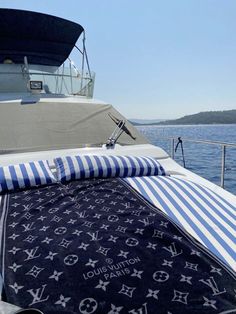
x=94, y=246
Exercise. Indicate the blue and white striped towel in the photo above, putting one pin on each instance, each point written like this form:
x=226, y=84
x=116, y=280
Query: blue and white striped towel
x=205, y=215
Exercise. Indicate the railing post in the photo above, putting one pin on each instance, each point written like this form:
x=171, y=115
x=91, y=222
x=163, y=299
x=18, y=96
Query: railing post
x=222, y=177
x=223, y=145
x=172, y=148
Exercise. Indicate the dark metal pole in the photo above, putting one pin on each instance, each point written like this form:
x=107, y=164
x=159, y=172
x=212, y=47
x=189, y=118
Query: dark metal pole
x=182, y=152
x=172, y=148
x=182, y=149
x=222, y=177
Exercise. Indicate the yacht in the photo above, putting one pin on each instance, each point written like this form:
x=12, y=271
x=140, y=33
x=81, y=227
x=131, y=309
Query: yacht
x=94, y=218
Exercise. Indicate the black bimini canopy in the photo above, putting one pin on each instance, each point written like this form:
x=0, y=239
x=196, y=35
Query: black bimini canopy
x=43, y=38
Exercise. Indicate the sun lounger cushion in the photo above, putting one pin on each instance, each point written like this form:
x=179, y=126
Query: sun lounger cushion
x=91, y=166
x=25, y=175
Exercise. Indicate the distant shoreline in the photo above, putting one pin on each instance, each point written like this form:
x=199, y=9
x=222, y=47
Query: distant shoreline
x=194, y=124
x=201, y=118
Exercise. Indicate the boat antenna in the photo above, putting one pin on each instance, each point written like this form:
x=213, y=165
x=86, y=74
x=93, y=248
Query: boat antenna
x=84, y=55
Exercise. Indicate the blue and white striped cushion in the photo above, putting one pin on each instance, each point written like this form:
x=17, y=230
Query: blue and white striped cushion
x=94, y=166
x=25, y=175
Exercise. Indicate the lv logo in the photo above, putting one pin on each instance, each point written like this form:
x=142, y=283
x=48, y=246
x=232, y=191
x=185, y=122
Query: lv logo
x=141, y=310
x=212, y=284
x=94, y=236
x=172, y=249
x=37, y=295
x=31, y=254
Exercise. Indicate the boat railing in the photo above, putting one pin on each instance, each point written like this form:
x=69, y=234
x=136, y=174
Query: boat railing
x=223, y=145
x=63, y=80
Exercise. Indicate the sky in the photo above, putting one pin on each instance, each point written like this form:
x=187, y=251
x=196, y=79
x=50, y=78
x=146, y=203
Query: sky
x=155, y=59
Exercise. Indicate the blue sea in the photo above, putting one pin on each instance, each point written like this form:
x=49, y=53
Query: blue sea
x=202, y=159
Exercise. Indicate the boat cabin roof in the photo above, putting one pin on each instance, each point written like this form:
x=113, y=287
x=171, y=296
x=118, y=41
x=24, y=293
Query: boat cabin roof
x=44, y=39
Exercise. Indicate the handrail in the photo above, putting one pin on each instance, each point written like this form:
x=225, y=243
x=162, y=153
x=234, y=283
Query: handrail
x=217, y=143
x=70, y=83
x=47, y=74
x=202, y=141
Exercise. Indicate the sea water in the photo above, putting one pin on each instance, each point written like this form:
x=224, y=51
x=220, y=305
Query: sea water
x=202, y=159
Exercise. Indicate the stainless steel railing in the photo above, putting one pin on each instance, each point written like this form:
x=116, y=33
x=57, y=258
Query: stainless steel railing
x=66, y=79
x=223, y=146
